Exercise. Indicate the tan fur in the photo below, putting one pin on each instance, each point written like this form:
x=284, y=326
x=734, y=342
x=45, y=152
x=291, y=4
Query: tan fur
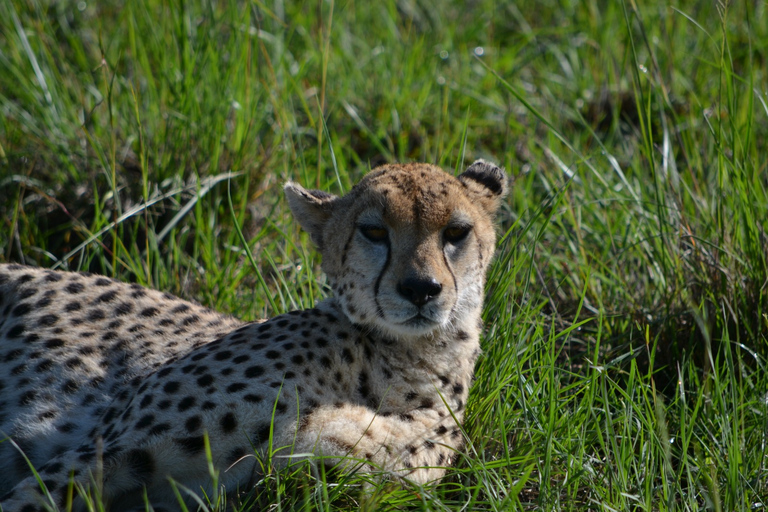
x=108, y=381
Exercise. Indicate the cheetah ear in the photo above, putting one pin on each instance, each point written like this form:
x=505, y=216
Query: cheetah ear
x=312, y=208
x=487, y=183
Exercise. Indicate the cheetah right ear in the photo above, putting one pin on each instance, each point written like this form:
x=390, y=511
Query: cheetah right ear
x=486, y=183
x=312, y=208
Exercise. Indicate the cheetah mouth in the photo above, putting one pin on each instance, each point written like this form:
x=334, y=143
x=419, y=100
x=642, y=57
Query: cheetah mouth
x=419, y=321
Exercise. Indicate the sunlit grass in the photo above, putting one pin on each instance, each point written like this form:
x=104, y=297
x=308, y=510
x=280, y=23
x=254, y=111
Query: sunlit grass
x=626, y=320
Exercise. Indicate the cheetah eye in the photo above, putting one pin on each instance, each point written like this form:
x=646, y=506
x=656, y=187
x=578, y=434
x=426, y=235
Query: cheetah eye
x=375, y=234
x=455, y=234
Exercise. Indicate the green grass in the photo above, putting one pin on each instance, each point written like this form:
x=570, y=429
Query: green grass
x=625, y=351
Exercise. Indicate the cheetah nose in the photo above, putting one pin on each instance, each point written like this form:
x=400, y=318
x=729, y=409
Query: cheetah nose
x=419, y=291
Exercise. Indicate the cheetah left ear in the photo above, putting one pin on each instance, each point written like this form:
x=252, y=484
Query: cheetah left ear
x=312, y=208
x=487, y=183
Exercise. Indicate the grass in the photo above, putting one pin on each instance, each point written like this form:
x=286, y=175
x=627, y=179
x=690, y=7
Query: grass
x=624, y=362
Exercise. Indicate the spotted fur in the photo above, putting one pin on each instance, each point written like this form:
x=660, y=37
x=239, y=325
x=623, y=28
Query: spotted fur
x=108, y=382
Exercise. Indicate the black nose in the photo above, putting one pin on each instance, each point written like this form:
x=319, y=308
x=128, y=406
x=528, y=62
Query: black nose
x=419, y=291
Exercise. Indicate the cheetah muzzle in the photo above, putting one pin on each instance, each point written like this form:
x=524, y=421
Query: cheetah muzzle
x=107, y=382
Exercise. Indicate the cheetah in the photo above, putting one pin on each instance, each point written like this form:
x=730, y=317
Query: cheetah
x=121, y=387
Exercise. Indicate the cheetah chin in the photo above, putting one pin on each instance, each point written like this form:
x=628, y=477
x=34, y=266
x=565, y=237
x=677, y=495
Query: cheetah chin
x=119, y=389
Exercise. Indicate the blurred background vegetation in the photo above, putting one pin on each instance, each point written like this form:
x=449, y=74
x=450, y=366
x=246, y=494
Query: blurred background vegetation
x=148, y=140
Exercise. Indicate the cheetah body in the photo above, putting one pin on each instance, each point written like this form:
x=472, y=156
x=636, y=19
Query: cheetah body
x=107, y=382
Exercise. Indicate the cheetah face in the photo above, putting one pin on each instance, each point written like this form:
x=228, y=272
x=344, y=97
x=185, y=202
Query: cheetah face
x=406, y=250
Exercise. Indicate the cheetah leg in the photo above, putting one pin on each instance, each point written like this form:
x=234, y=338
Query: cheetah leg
x=55, y=485
x=356, y=438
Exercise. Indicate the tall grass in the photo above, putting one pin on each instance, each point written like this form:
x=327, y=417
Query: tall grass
x=626, y=320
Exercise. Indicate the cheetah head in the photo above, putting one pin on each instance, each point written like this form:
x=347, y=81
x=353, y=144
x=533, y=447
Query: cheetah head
x=407, y=248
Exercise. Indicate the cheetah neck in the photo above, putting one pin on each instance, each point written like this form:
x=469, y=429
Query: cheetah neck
x=449, y=351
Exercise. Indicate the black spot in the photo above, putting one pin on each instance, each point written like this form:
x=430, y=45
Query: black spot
x=254, y=371
x=66, y=428
x=21, y=309
x=237, y=386
x=149, y=312
x=159, y=429
x=96, y=314
x=228, y=422
x=145, y=421
x=109, y=335
x=72, y=307
x=180, y=308
x=86, y=457
x=193, y=423
x=205, y=381
x=254, y=399
x=262, y=433
x=441, y=430
x=146, y=401
x=346, y=355
x=54, y=343
x=236, y=454
x=123, y=308
x=53, y=277
x=102, y=281
x=70, y=386
x=208, y=405
x=48, y=320
x=164, y=404
x=282, y=323
x=13, y=355
x=272, y=354
x=426, y=404
x=16, y=331
x=325, y=361
x=74, y=288
x=411, y=396
x=44, y=366
x=221, y=356
x=241, y=359
x=27, y=397
x=458, y=389
x=50, y=484
x=171, y=387
x=321, y=342
x=186, y=403
x=111, y=412
x=106, y=297
x=192, y=445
